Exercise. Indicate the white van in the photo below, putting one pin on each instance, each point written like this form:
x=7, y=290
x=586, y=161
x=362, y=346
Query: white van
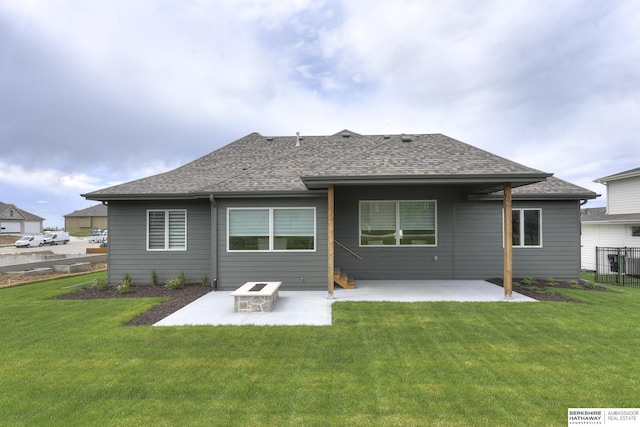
x=30, y=241
x=56, y=238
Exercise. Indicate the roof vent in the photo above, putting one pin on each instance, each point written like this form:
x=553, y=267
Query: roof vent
x=346, y=134
x=297, y=139
x=269, y=138
x=406, y=138
x=386, y=136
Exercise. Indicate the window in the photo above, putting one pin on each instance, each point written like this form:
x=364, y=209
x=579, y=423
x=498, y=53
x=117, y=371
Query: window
x=635, y=231
x=167, y=230
x=398, y=223
x=271, y=229
x=527, y=227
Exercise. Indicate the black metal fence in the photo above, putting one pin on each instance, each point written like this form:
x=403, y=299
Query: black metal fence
x=618, y=266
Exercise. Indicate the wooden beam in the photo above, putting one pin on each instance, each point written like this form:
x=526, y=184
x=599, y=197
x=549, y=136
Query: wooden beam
x=508, y=241
x=331, y=237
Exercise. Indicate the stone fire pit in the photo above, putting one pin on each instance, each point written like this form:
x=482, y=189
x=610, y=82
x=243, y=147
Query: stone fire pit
x=255, y=296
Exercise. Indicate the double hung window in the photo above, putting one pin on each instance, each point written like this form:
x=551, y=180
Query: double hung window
x=527, y=227
x=271, y=229
x=167, y=230
x=398, y=223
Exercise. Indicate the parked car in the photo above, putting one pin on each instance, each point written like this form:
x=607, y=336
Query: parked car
x=56, y=238
x=30, y=241
x=98, y=237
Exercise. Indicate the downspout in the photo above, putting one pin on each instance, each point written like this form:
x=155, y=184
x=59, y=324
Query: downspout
x=105, y=203
x=214, y=242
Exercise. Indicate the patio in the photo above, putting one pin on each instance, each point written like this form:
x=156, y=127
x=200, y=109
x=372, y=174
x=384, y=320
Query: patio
x=313, y=308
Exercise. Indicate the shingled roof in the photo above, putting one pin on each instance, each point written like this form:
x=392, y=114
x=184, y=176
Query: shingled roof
x=620, y=175
x=22, y=214
x=256, y=164
x=600, y=215
x=95, y=210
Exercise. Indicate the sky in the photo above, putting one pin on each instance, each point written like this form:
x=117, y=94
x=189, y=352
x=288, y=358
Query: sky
x=96, y=93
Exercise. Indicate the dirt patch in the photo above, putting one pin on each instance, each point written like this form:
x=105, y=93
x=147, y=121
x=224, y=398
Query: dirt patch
x=543, y=290
x=8, y=280
x=178, y=298
x=8, y=240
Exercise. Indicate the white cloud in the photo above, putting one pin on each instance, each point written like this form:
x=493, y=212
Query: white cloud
x=132, y=89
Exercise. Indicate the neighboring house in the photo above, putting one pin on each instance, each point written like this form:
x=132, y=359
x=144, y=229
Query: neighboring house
x=14, y=220
x=618, y=224
x=85, y=220
x=409, y=206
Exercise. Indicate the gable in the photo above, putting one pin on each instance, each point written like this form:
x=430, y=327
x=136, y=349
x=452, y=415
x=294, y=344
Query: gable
x=10, y=212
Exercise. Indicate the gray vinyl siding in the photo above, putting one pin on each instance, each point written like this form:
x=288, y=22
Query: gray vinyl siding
x=296, y=270
x=469, y=238
x=128, y=252
x=395, y=262
x=469, y=242
x=479, y=249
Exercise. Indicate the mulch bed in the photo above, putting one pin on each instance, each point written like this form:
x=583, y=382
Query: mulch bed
x=538, y=289
x=178, y=298
x=542, y=290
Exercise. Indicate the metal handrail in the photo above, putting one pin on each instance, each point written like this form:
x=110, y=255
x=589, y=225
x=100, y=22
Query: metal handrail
x=347, y=249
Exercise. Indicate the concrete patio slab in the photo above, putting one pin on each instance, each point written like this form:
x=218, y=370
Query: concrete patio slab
x=313, y=308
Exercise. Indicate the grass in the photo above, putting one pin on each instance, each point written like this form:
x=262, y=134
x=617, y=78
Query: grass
x=501, y=364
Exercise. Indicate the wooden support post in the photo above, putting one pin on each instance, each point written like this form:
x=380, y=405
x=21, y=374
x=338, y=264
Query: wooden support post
x=331, y=238
x=508, y=241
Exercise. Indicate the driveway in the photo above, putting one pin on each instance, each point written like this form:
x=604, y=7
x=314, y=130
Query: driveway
x=76, y=245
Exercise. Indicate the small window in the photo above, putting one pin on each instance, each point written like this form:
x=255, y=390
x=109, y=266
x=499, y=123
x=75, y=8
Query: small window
x=527, y=227
x=398, y=223
x=635, y=231
x=271, y=229
x=167, y=230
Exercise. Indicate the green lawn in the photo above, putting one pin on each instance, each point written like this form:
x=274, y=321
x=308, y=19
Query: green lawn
x=69, y=363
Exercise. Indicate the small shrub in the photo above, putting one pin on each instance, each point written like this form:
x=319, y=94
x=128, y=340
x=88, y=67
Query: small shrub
x=591, y=285
x=182, y=277
x=155, y=279
x=574, y=282
x=100, y=284
x=515, y=284
x=551, y=280
x=205, y=280
x=125, y=285
x=174, y=283
x=528, y=280
x=576, y=286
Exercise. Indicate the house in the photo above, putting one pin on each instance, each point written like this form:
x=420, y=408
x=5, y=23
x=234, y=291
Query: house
x=85, y=220
x=618, y=224
x=14, y=220
x=391, y=207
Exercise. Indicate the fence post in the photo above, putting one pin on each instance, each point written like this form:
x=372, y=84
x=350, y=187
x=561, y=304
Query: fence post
x=597, y=264
x=619, y=269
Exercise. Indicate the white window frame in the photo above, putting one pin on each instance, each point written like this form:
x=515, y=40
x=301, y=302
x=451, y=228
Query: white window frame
x=271, y=234
x=398, y=231
x=167, y=229
x=521, y=213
